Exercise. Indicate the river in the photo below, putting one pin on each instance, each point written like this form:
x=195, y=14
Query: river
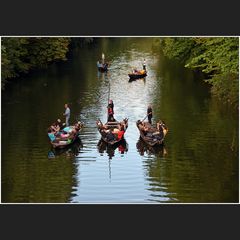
x=199, y=160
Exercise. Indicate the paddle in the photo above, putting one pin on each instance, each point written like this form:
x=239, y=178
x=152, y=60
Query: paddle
x=146, y=116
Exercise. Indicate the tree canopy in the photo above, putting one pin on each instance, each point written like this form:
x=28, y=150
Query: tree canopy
x=22, y=54
x=217, y=57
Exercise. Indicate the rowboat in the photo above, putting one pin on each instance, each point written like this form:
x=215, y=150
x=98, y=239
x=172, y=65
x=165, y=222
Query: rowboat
x=137, y=74
x=110, y=131
x=151, y=135
x=103, y=68
x=71, y=149
x=63, y=142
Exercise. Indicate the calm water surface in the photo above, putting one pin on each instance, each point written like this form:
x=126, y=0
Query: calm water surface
x=199, y=162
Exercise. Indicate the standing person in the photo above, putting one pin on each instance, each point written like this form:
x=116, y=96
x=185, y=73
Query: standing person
x=110, y=111
x=144, y=64
x=110, y=104
x=149, y=114
x=67, y=114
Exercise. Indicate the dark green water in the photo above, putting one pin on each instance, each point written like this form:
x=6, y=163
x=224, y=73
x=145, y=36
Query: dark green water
x=199, y=162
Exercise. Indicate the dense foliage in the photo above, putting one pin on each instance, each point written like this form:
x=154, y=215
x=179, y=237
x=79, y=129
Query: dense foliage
x=217, y=57
x=22, y=54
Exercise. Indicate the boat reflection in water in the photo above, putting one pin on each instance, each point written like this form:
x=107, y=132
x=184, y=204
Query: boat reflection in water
x=121, y=146
x=70, y=150
x=142, y=148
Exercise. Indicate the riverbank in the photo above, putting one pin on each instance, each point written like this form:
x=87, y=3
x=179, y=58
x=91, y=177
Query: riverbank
x=21, y=55
x=216, y=57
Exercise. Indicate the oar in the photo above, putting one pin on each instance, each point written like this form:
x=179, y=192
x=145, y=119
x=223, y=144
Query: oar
x=146, y=116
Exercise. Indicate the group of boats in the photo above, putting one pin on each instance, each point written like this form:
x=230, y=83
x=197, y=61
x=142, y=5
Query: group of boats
x=102, y=66
x=112, y=132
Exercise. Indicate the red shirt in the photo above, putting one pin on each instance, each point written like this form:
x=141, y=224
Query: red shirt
x=120, y=135
x=110, y=111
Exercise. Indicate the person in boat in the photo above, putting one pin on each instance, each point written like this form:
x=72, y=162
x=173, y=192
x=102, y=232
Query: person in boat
x=59, y=124
x=124, y=124
x=159, y=134
x=142, y=127
x=163, y=126
x=149, y=114
x=55, y=128
x=69, y=132
x=120, y=133
x=110, y=136
x=67, y=114
x=52, y=135
x=99, y=65
x=136, y=71
x=110, y=111
x=110, y=104
x=144, y=64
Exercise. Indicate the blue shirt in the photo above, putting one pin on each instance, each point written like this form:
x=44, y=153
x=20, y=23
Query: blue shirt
x=67, y=129
x=67, y=112
x=51, y=136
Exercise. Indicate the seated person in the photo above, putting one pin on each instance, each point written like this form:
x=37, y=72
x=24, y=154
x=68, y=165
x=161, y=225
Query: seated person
x=55, y=128
x=52, y=136
x=59, y=124
x=67, y=129
x=120, y=133
x=110, y=136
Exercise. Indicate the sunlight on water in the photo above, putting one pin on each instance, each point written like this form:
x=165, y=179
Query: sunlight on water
x=196, y=163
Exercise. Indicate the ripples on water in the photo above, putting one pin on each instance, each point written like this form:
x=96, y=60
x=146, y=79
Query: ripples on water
x=182, y=171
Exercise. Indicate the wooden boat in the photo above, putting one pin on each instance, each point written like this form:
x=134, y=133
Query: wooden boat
x=102, y=67
x=151, y=135
x=65, y=142
x=137, y=74
x=71, y=149
x=104, y=130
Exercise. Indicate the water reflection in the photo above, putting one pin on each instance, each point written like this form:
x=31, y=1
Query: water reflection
x=142, y=148
x=122, y=147
x=70, y=151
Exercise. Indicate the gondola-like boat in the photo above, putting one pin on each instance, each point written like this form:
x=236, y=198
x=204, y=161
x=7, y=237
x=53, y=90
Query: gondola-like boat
x=103, y=67
x=63, y=142
x=153, y=136
x=113, y=127
x=71, y=149
x=137, y=74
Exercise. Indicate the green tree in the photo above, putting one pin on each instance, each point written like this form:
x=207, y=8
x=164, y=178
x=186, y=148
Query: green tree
x=216, y=57
x=21, y=54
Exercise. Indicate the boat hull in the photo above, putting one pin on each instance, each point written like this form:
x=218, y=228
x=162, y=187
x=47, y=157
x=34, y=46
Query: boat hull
x=152, y=140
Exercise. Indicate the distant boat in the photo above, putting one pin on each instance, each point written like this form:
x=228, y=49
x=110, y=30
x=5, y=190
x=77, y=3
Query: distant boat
x=102, y=67
x=152, y=136
x=114, y=127
x=137, y=74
